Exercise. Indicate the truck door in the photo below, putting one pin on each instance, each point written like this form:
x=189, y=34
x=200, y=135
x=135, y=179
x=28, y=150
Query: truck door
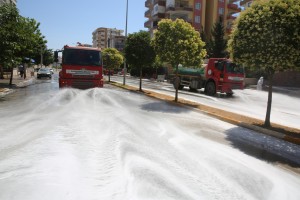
x=219, y=72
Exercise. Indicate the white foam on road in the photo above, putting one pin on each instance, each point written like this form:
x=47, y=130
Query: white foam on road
x=110, y=144
x=249, y=102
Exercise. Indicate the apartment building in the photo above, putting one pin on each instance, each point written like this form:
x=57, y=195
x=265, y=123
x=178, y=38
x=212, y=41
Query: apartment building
x=232, y=9
x=108, y=37
x=8, y=1
x=246, y=3
x=201, y=14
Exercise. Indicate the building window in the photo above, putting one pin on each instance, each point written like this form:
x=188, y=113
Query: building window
x=221, y=11
x=198, y=6
x=197, y=19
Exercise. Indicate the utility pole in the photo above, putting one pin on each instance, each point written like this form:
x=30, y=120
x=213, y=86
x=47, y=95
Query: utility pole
x=124, y=69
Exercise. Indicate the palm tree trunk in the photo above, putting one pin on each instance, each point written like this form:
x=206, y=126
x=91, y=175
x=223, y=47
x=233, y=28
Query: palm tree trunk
x=268, y=114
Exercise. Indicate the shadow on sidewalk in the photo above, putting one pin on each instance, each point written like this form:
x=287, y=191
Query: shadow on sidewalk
x=4, y=83
x=264, y=147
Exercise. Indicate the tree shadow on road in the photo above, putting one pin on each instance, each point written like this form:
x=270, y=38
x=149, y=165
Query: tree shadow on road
x=264, y=147
x=164, y=107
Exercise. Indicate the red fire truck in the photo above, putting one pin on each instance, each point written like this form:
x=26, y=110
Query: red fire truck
x=81, y=67
x=219, y=75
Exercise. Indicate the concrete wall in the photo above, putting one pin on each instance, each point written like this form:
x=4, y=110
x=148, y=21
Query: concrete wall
x=250, y=81
x=287, y=79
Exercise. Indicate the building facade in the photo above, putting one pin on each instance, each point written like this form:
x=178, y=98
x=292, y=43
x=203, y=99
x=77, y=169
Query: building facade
x=246, y=3
x=232, y=9
x=108, y=37
x=8, y=1
x=201, y=14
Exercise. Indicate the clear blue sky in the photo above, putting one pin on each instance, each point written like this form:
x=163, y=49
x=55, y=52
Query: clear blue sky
x=71, y=21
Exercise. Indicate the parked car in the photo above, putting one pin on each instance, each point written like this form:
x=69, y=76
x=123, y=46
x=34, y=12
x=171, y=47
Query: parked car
x=44, y=72
x=51, y=70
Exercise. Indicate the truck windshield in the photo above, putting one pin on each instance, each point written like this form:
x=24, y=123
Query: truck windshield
x=81, y=57
x=234, y=68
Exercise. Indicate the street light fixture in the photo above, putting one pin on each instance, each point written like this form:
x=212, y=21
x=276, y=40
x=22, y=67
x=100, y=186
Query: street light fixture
x=124, y=69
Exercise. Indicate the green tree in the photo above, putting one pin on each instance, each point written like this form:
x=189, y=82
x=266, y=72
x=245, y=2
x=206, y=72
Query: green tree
x=217, y=44
x=266, y=37
x=19, y=37
x=33, y=43
x=138, y=52
x=112, y=59
x=9, y=35
x=177, y=42
x=48, y=57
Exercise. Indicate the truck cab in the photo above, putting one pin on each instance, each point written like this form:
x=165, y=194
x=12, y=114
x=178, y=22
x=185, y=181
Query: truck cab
x=81, y=68
x=223, y=75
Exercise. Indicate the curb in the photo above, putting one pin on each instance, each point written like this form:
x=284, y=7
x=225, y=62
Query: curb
x=21, y=84
x=26, y=82
x=214, y=113
x=5, y=91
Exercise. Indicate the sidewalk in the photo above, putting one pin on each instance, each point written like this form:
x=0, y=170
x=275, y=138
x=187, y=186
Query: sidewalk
x=17, y=82
x=292, y=91
x=278, y=131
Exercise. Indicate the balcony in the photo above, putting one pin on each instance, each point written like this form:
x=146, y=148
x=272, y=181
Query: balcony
x=174, y=16
x=160, y=2
x=245, y=1
x=159, y=16
x=180, y=8
x=147, y=24
x=148, y=14
x=155, y=25
x=231, y=17
x=234, y=7
x=148, y=3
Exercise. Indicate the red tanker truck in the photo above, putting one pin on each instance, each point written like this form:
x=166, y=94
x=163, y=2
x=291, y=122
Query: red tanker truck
x=218, y=75
x=81, y=67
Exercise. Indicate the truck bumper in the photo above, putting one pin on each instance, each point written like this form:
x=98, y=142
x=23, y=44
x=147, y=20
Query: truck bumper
x=80, y=84
x=228, y=87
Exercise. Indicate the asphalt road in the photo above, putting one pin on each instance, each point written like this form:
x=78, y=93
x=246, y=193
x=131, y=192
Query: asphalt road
x=108, y=143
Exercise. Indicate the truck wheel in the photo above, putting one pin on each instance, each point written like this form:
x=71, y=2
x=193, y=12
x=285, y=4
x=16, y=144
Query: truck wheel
x=193, y=89
x=229, y=94
x=210, y=88
x=180, y=87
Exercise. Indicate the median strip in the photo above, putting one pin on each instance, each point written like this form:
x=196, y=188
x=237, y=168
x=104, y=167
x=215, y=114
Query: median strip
x=279, y=131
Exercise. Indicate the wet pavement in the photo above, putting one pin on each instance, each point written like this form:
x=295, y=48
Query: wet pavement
x=72, y=144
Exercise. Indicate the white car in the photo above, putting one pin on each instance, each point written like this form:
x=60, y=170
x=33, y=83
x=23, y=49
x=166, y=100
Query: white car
x=44, y=72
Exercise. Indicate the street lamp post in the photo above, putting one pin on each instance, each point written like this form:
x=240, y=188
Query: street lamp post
x=124, y=69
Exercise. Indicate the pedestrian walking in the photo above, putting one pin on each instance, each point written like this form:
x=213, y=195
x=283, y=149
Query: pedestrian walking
x=21, y=70
x=260, y=83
